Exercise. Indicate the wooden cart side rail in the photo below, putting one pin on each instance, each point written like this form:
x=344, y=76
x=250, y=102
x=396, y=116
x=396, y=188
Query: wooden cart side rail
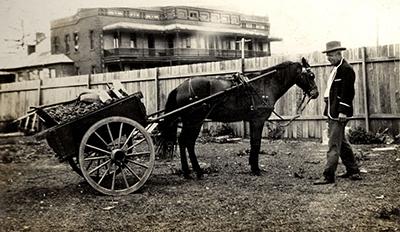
x=42, y=135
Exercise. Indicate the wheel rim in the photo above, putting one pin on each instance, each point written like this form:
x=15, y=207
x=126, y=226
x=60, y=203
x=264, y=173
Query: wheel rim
x=116, y=156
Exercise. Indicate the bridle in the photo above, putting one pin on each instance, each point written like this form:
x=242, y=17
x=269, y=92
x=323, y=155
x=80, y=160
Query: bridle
x=301, y=107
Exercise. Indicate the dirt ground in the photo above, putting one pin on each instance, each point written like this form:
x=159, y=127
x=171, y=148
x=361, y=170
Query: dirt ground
x=40, y=194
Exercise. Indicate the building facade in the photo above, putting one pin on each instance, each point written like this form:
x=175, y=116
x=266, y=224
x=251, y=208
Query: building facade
x=119, y=39
x=38, y=66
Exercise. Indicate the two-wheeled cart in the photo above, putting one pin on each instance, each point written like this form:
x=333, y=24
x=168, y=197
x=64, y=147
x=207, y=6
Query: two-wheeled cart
x=111, y=146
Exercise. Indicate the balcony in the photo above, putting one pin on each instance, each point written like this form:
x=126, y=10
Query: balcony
x=168, y=54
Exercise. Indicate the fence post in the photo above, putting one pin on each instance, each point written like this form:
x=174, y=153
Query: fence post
x=39, y=92
x=88, y=81
x=365, y=88
x=157, y=89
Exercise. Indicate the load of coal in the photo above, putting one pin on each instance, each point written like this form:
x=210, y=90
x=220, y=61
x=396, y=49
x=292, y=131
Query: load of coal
x=71, y=111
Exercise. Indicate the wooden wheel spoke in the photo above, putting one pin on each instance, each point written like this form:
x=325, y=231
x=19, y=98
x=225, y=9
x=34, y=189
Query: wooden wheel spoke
x=133, y=154
x=110, y=134
x=133, y=172
x=113, y=179
x=120, y=133
x=98, y=167
x=97, y=134
x=133, y=133
x=137, y=143
x=104, y=175
x=108, y=166
x=97, y=158
x=124, y=177
x=98, y=149
x=138, y=164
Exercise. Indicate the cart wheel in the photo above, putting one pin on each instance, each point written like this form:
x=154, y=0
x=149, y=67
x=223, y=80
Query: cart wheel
x=116, y=156
x=74, y=163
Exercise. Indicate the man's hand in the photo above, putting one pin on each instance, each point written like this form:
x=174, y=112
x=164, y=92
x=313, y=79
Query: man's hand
x=342, y=117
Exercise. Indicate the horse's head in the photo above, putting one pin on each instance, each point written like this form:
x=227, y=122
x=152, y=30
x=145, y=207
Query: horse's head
x=306, y=80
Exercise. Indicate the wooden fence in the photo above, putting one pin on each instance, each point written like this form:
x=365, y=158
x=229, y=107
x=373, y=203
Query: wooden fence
x=377, y=100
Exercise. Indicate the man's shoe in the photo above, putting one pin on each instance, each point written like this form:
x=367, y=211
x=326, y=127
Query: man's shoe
x=344, y=175
x=351, y=176
x=324, y=181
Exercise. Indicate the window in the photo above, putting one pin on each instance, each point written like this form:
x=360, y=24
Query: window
x=215, y=17
x=244, y=25
x=56, y=44
x=52, y=73
x=76, y=41
x=133, y=40
x=250, y=45
x=234, y=19
x=261, y=46
x=77, y=70
x=204, y=16
x=66, y=40
x=91, y=39
x=225, y=19
x=93, y=69
x=237, y=46
x=193, y=15
x=116, y=40
x=181, y=14
x=254, y=25
x=188, y=42
x=227, y=44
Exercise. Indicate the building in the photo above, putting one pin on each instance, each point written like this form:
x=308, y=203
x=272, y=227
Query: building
x=36, y=63
x=115, y=39
x=38, y=66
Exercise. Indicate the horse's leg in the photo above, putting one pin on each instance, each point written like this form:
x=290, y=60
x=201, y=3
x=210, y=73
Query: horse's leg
x=187, y=140
x=194, y=133
x=182, y=149
x=256, y=128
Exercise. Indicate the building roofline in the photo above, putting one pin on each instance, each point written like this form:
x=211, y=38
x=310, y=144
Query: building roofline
x=178, y=26
x=90, y=12
x=34, y=60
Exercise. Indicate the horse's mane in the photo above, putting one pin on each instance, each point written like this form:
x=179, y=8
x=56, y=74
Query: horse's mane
x=282, y=65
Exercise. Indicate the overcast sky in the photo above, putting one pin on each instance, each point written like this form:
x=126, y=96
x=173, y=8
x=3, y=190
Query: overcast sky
x=304, y=25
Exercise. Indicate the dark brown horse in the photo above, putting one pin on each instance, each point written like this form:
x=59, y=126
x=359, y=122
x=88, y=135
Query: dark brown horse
x=253, y=102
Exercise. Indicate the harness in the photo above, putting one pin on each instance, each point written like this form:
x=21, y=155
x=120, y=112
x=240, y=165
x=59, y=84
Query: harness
x=243, y=79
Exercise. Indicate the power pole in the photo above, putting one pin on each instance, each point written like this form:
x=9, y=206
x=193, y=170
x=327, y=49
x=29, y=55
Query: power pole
x=242, y=43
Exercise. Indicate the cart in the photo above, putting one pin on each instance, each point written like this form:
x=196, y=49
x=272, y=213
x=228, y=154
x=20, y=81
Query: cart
x=111, y=147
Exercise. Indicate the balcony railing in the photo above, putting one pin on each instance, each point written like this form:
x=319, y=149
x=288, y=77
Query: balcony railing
x=168, y=53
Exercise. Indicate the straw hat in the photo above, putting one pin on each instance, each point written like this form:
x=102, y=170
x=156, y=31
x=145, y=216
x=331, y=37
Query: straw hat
x=333, y=46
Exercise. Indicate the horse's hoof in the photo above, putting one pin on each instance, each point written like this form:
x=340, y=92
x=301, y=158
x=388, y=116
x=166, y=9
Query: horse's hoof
x=256, y=172
x=200, y=176
x=187, y=176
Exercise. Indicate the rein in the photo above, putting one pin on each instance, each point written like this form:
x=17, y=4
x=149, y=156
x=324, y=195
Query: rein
x=300, y=107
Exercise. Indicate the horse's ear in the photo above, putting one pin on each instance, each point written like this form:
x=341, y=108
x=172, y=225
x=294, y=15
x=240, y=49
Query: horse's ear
x=305, y=63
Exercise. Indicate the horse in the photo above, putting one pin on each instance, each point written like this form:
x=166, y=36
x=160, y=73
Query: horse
x=253, y=101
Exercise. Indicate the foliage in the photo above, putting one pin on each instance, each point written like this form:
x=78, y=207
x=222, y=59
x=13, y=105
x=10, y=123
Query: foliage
x=275, y=132
x=220, y=130
x=358, y=135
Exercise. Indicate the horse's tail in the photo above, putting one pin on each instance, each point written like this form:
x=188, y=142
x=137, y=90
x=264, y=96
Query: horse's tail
x=168, y=128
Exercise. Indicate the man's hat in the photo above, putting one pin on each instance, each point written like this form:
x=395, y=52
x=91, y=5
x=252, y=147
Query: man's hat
x=333, y=46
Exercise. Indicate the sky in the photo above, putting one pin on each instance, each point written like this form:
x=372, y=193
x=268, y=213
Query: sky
x=304, y=25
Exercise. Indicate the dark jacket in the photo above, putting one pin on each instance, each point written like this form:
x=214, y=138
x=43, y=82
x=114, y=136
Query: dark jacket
x=341, y=94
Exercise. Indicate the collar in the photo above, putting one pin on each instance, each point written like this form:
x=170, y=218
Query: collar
x=339, y=63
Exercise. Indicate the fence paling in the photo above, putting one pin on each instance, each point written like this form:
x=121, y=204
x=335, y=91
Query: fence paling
x=373, y=65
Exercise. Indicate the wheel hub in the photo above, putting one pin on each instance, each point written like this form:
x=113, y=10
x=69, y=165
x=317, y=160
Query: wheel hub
x=118, y=156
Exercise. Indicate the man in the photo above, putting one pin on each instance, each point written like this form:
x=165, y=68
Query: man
x=338, y=98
